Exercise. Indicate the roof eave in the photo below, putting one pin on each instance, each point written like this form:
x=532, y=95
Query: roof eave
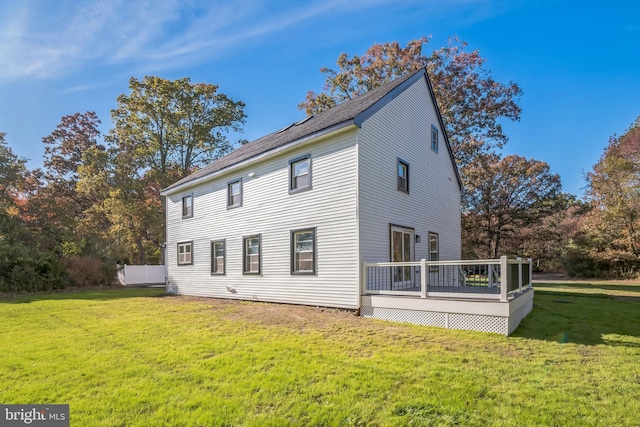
x=276, y=150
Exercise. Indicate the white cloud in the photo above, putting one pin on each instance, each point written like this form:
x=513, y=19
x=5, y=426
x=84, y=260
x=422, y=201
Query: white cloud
x=39, y=40
x=48, y=39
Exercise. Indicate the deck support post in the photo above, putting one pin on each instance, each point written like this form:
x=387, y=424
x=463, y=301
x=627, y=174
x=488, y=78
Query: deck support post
x=423, y=279
x=363, y=278
x=504, y=281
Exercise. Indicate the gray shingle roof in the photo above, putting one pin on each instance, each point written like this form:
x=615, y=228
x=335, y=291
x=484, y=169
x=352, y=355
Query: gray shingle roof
x=353, y=111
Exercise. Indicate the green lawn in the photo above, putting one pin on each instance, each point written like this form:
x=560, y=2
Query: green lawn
x=138, y=358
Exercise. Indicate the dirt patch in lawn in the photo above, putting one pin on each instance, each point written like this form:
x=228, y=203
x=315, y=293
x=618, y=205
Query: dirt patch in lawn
x=277, y=314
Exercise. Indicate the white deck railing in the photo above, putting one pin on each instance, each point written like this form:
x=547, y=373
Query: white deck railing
x=452, y=279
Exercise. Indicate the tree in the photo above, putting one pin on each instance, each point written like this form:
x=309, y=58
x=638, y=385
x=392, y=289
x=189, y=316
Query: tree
x=164, y=130
x=12, y=175
x=613, y=191
x=470, y=100
x=57, y=207
x=64, y=147
x=22, y=266
x=166, y=124
x=508, y=194
x=548, y=239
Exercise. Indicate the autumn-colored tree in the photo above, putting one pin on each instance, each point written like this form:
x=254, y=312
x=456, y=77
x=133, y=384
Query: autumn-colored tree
x=508, y=194
x=613, y=191
x=471, y=101
x=549, y=239
x=164, y=130
x=22, y=266
x=57, y=207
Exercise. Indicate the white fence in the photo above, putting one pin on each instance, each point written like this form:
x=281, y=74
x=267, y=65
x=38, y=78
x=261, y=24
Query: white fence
x=141, y=274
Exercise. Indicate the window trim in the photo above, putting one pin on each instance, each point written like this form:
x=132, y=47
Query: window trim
x=291, y=176
x=408, y=177
x=190, y=215
x=190, y=243
x=431, y=234
x=435, y=142
x=244, y=255
x=293, y=253
x=229, y=183
x=224, y=257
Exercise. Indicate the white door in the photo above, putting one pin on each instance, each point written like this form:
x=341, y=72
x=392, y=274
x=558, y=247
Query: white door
x=402, y=246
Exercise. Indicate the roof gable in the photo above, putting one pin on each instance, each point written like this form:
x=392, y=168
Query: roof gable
x=355, y=111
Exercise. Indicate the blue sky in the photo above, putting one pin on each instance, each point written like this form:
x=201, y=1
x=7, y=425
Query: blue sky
x=578, y=62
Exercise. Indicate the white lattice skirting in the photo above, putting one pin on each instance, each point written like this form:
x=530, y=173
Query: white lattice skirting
x=473, y=315
x=471, y=322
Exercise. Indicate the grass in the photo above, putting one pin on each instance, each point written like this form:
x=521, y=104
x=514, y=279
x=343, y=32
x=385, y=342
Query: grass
x=135, y=357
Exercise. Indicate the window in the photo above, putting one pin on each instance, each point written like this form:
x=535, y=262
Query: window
x=403, y=176
x=185, y=253
x=234, y=193
x=434, y=250
x=300, y=174
x=217, y=257
x=187, y=206
x=434, y=138
x=303, y=251
x=251, y=255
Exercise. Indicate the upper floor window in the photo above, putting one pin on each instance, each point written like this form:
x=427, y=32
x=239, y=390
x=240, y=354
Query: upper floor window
x=300, y=174
x=434, y=138
x=251, y=255
x=403, y=176
x=234, y=193
x=185, y=253
x=187, y=206
x=303, y=251
x=217, y=257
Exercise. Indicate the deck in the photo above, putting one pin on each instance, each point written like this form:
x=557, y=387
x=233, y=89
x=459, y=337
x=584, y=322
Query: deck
x=481, y=295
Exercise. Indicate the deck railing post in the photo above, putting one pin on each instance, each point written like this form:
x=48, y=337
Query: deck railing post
x=423, y=278
x=363, y=278
x=530, y=273
x=519, y=274
x=504, y=281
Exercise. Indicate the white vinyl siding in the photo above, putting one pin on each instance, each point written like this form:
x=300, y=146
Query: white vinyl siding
x=270, y=210
x=402, y=129
x=354, y=201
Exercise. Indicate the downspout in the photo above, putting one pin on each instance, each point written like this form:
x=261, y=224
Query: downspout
x=360, y=275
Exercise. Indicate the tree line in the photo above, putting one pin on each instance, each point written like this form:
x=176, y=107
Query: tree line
x=95, y=201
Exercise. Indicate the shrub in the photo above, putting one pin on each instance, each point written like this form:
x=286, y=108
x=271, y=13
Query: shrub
x=23, y=269
x=89, y=271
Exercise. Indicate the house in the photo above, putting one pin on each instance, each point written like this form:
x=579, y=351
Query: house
x=295, y=216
